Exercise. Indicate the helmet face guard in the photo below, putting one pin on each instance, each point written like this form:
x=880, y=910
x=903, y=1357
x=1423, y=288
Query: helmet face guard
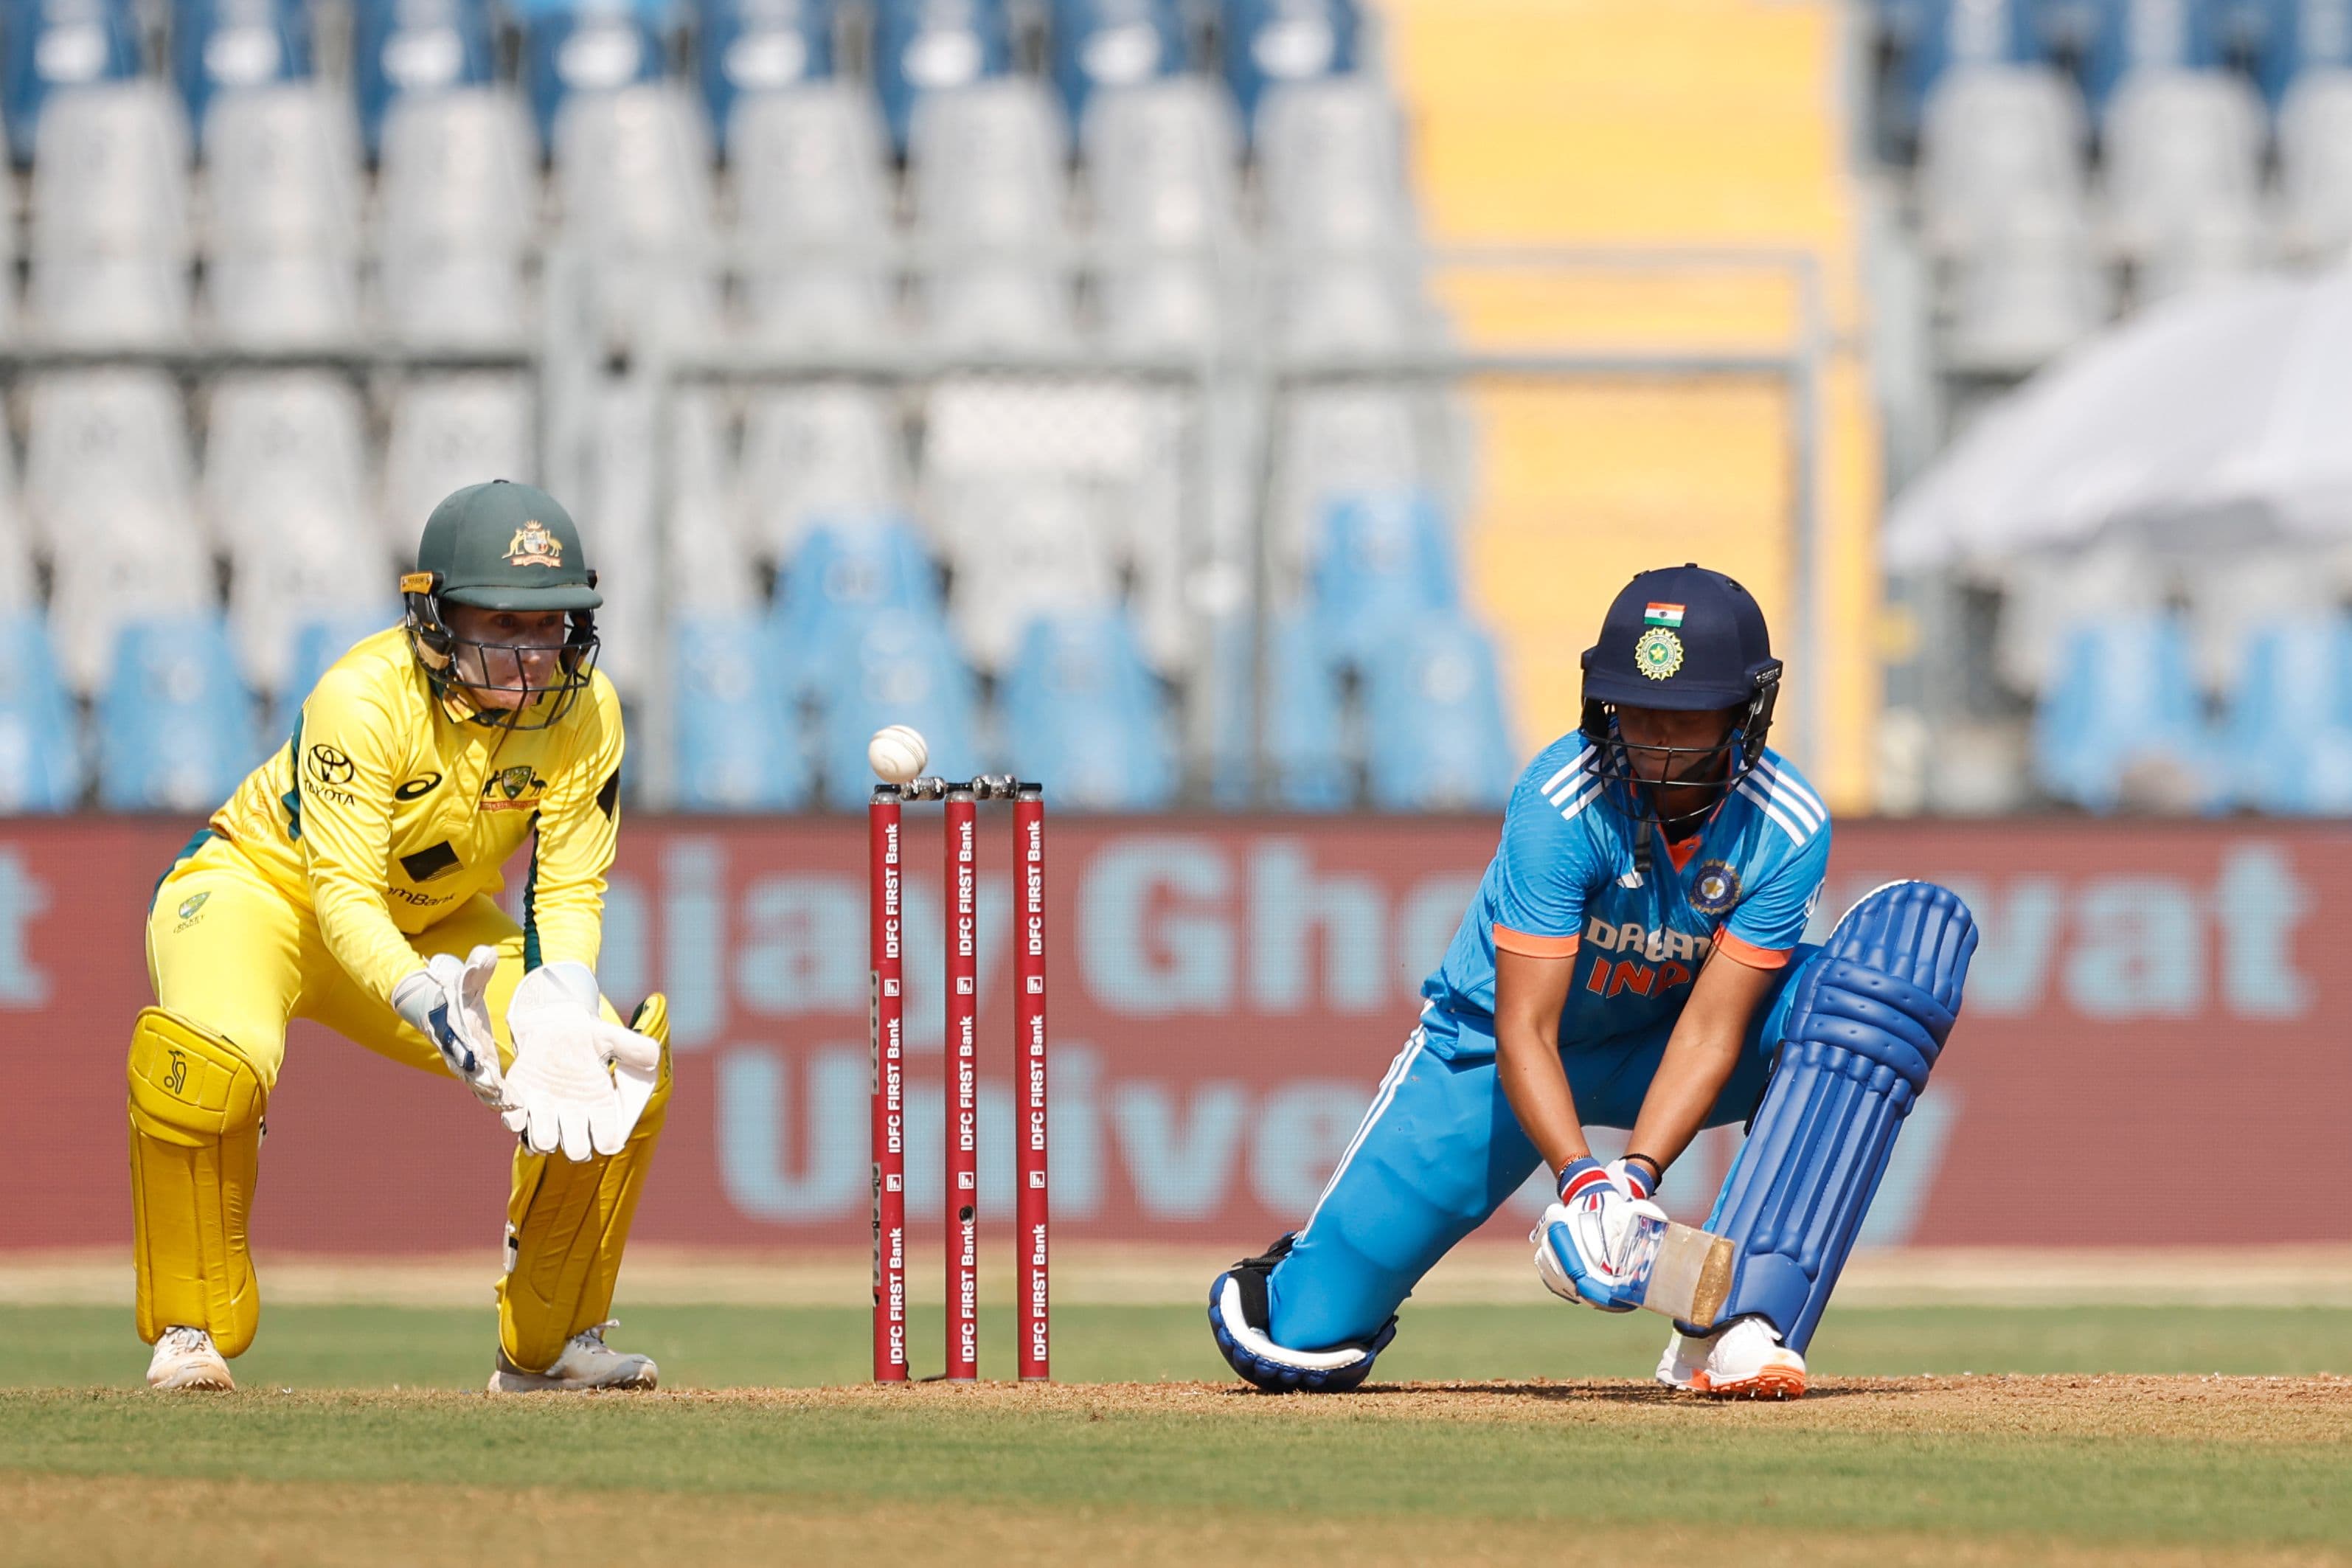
x=1708, y=773
x=437, y=649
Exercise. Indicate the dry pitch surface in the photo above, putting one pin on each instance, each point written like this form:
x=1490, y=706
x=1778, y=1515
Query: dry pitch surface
x=1967, y=1469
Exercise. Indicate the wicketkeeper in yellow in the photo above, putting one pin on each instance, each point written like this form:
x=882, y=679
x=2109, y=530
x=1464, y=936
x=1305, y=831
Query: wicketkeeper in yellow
x=348, y=880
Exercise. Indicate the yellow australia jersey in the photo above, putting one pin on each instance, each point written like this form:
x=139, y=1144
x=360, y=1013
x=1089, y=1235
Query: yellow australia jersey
x=388, y=809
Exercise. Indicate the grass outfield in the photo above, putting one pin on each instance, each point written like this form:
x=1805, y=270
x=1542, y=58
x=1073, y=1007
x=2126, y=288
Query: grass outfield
x=1877, y=1467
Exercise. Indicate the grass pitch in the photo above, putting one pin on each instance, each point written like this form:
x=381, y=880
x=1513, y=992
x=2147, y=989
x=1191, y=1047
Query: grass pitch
x=1884, y=1464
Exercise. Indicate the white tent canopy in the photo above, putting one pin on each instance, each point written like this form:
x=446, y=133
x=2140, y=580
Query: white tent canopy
x=2225, y=414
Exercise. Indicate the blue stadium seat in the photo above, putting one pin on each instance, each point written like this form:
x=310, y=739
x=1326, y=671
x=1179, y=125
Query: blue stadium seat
x=52, y=44
x=925, y=46
x=2290, y=724
x=1305, y=731
x=1940, y=35
x=175, y=725
x=759, y=46
x=2129, y=36
x=317, y=645
x=1269, y=42
x=40, y=752
x=1113, y=44
x=739, y=739
x=902, y=668
x=2124, y=699
x=1435, y=735
x=402, y=46
x=1380, y=562
x=224, y=45
x=1081, y=711
x=843, y=575
x=593, y=46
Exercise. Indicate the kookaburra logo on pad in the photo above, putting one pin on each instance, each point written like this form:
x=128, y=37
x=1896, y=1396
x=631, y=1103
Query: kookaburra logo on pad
x=532, y=545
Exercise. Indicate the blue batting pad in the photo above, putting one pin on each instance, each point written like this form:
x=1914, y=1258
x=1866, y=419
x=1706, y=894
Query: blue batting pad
x=1865, y=1023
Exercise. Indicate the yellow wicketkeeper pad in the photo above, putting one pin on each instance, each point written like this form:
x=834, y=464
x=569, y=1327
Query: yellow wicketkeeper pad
x=568, y=1222
x=195, y=1144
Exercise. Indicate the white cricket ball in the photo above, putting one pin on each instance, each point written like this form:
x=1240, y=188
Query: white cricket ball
x=897, y=754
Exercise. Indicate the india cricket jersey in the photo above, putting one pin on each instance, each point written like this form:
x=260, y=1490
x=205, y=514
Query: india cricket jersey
x=388, y=809
x=1569, y=880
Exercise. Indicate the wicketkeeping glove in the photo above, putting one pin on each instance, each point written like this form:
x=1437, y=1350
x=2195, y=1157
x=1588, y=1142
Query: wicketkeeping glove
x=579, y=1081
x=446, y=1002
x=1595, y=1244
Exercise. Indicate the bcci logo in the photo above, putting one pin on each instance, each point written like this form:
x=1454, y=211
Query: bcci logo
x=532, y=545
x=1658, y=654
x=1714, y=889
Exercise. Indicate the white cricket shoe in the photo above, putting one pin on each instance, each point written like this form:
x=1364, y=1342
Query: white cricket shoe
x=185, y=1357
x=587, y=1362
x=1746, y=1360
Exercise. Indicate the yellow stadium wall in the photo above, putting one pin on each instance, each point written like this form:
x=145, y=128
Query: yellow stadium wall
x=1718, y=123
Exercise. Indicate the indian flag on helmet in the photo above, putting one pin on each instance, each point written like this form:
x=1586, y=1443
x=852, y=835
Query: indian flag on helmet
x=1663, y=615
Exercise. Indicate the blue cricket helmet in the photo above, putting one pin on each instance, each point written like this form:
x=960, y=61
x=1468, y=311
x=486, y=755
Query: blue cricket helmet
x=1686, y=639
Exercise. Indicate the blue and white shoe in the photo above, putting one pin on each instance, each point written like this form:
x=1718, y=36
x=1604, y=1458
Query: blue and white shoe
x=1238, y=1316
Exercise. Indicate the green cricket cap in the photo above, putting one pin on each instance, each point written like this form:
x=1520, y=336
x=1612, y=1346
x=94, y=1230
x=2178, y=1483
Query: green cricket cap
x=505, y=546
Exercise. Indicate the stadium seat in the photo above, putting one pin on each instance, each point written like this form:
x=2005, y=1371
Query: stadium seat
x=985, y=166
x=300, y=567
x=845, y=574
x=1940, y=39
x=1109, y=44
x=109, y=235
x=810, y=168
x=1269, y=44
x=128, y=557
x=226, y=46
x=897, y=668
x=406, y=48
x=175, y=727
x=1023, y=547
x=2315, y=152
x=739, y=738
x=812, y=221
x=458, y=199
x=923, y=47
x=2131, y=37
x=284, y=302
x=2289, y=731
x=283, y=447
x=281, y=166
x=817, y=452
x=2122, y=724
x=1380, y=563
x=1353, y=306
x=1436, y=737
x=2183, y=177
x=749, y=48
x=1162, y=162
x=1992, y=137
x=710, y=567
x=1079, y=707
x=61, y=46
x=1003, y=309
x=1331, y=165
x=1305, y=733
x=586, y=51
x=446, y=432
x=2046, y=594
x=1332, y=443
x=320, y=640
x=2032, y=289
x=40, y=752
x=633, y=168
x=102, y=433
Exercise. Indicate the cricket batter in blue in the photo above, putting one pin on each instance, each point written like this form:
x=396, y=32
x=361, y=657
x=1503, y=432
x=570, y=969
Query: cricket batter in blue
x=1633, y=960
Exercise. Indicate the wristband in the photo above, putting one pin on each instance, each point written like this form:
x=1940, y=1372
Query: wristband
x=1657, y=1170
x=1580, y=1176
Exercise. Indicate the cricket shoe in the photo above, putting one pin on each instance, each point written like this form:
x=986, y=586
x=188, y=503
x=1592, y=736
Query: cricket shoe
x=1746, y=1360
x=587, y=1363
x=185, y=1357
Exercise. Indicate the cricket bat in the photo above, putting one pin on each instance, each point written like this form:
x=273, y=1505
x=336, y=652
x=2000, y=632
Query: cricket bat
x=1689, y=1273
